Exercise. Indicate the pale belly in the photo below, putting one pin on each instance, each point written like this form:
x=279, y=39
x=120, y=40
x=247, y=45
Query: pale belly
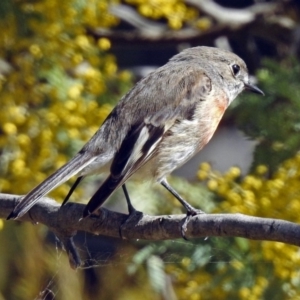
x=186, y=139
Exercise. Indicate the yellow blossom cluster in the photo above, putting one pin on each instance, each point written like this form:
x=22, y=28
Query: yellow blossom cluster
x=258, y=194
x=191, y=285
x=176, y=12
x=55, y=94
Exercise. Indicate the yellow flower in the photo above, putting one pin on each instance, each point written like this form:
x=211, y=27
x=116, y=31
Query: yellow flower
x=82, y=41
x=104, y=44
x=35, y=50
x=212, y=185
x=9, y=128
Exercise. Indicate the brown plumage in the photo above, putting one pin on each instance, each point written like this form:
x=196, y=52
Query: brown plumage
x=157, y=126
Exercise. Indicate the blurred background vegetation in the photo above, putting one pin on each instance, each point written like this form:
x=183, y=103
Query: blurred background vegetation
x=64, y=65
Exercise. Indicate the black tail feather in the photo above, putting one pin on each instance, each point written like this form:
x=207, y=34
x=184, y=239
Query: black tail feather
x=103, y=193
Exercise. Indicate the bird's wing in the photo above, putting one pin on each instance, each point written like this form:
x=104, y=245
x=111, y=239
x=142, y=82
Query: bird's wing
x=140, y=143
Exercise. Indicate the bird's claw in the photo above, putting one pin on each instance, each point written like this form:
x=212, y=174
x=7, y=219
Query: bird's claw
x=189, y=214
x=132, y=217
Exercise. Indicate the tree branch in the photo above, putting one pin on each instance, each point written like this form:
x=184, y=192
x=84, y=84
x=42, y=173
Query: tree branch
x=227, y=20
x=233, y=17
x=64, y=222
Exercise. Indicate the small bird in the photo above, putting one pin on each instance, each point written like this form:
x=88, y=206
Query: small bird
x=165, y=119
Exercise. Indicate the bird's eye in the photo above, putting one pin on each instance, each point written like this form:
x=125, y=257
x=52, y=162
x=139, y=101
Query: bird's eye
x=235, y=69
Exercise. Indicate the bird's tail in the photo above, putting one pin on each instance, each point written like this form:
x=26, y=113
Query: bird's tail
x=70, y=169
x=103, y=193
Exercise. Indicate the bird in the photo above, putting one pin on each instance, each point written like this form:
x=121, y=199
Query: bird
x=163, y=121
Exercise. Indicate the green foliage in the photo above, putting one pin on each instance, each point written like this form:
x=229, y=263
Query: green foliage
x=59, y=87
x=273, y=120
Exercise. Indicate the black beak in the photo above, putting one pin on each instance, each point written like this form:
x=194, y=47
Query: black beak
x=253, y=88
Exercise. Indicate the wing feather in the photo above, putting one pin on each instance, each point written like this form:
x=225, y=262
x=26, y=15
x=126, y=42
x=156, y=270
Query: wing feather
x=144, y=136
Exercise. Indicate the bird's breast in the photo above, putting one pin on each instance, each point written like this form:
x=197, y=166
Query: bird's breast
x=209, y=117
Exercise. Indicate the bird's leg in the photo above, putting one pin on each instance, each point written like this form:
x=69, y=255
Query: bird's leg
x=190, y=210
x=73, y=187
x=131, y=209
x=133, y=213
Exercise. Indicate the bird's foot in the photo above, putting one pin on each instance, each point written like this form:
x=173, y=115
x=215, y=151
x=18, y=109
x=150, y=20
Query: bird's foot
x=191, y=212
x=133, y=217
